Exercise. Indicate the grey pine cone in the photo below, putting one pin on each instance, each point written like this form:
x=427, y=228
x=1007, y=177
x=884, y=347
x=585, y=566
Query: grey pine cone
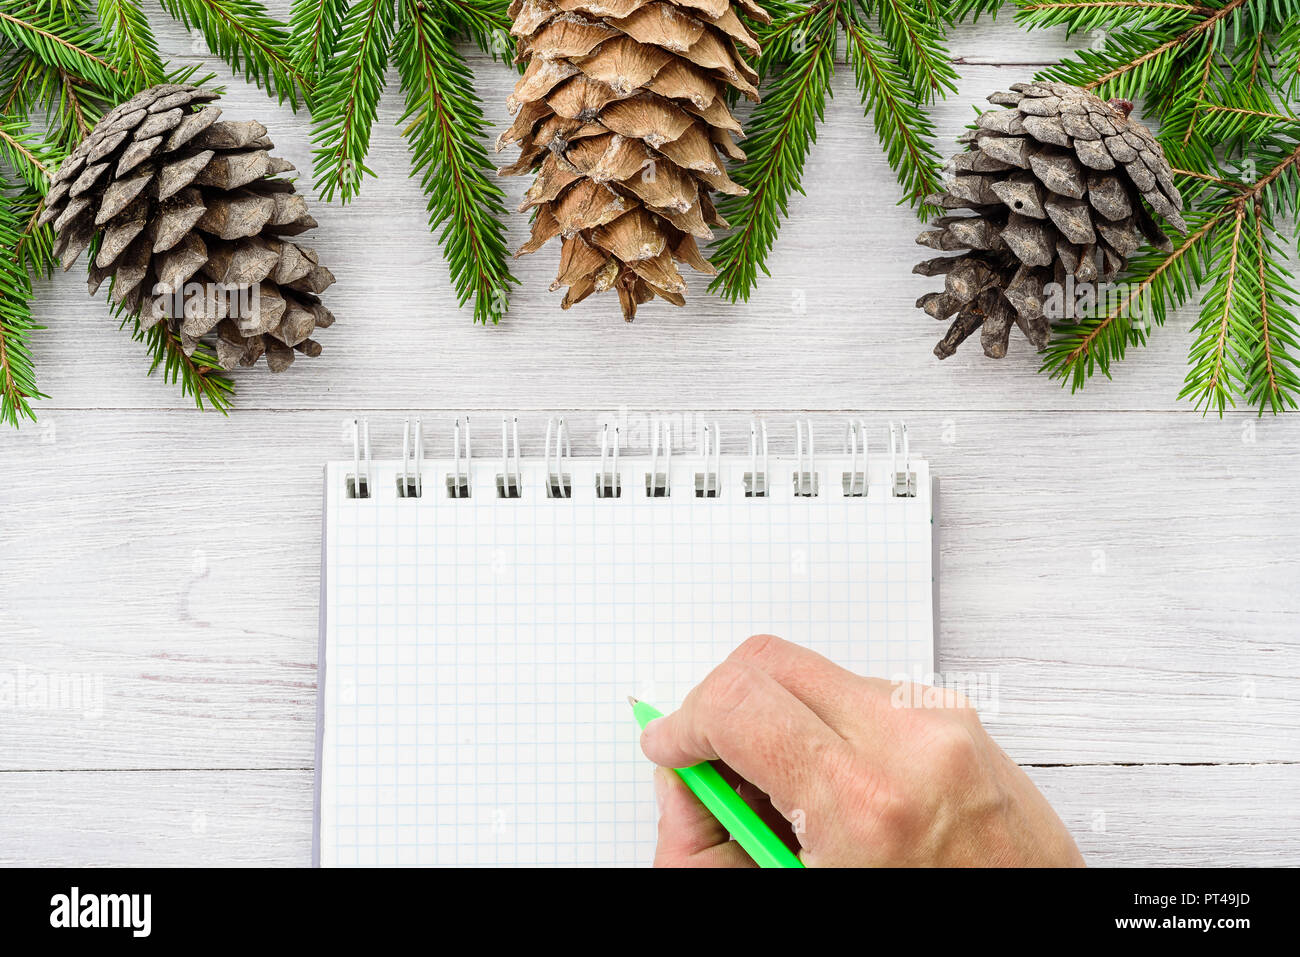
x=178, y=196
x=1053, y=187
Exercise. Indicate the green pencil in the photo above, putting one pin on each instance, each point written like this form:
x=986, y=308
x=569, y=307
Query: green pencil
x=745, y=827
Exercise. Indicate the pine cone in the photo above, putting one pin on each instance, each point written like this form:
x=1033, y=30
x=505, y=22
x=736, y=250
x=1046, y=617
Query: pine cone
x=1055, y=184
x=176, y=195
x=622, y=111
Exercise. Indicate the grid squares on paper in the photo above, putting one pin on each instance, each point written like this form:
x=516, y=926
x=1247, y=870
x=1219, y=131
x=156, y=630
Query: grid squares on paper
x=479, y=651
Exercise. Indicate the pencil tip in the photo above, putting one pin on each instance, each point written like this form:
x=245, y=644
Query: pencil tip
x=631, y=701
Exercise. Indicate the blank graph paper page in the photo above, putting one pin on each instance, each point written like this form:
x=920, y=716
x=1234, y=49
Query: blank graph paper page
x=477, y=650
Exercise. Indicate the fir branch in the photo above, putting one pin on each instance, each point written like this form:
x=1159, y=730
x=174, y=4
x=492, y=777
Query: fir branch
x=1130, y=9
x=1287, y=52
x=1132, y=61
x=347, y=98
x=485, y=22
x=1223, y=323
x=1274, y=372
x=34, y=247
x=71, y=105
x=314, y=26
x=70, y=47
x=199, y=375
x=66, y=12
x=800, y=50
x=1202, y=82
x=1242, y=112
x=1144, y=68
x=1286, y=174
x=903, y=128
x=130, y=42
x=914, y=33
x=249, y=40
x=959, y=11
x=444, y=125
x=25, y=153
x=1208, y=178
x=1232, y=325
x=74, y=110
x=1095, y=343
x=898, y=70
x=17, y=374
x=18, y=75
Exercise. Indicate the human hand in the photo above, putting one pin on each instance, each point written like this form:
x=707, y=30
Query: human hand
x=851, y=771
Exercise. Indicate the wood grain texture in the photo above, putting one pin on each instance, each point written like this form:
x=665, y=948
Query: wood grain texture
x=1125, y=570
x=1128, y=608
x=1154, y=815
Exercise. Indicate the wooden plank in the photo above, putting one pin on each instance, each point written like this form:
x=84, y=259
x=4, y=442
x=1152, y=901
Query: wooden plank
x=1127, y=580
x=157, y=819
x=1161, y=816
x=1233, y=815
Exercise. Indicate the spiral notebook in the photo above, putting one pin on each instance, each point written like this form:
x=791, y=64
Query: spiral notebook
x=484, y=617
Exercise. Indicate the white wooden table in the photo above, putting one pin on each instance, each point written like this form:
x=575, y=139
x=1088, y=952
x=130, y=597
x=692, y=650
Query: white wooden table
x=1126, y=568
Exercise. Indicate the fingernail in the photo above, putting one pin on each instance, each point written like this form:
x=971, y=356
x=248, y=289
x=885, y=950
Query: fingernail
x=661, y=790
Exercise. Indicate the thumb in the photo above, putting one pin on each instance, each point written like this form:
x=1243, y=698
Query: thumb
x=689, y=836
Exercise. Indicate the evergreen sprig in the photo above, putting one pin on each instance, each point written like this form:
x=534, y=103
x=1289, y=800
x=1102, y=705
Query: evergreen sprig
x=782, y=129
x=348, y=97
x=900, y=65
x=314, y=29
x=53, y=38
x=251, y=41
x=17, y=373
x=133, y=51
x=1221, y=79
x=347, y=49
x=199, y=375
x=445, y=127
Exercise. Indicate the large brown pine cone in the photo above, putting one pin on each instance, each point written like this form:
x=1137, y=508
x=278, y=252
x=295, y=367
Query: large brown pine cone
x=622, y=112
x=180, y=198
x=1055, y=185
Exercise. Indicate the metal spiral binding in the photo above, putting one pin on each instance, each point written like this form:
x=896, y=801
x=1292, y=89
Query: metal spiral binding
x=658, y=484
x=458, y=482
x=358, y=483
x=609, y=484
x=904, y=482
x=410, y=484
x=901, y=479
x=510, y=482
x=706, y=482
x=756, y=485
x=559, y=483
x=855, y=479
x=806, y=482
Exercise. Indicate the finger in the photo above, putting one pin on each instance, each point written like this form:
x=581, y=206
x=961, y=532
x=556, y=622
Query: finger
x=761, y=805
x=689, y=836
x=844, y=700
x=742, y=716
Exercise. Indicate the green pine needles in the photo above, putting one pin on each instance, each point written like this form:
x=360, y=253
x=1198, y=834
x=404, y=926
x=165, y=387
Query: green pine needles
x=346, y=49
x=1222, y=80
x=17, y=376
x=900, y=64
